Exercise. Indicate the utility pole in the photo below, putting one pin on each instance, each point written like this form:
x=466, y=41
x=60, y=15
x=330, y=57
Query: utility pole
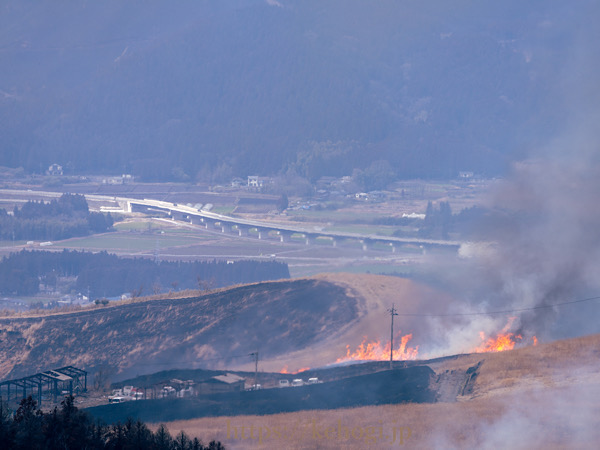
x=392, y=313
x=255, y=354
x=156, y=253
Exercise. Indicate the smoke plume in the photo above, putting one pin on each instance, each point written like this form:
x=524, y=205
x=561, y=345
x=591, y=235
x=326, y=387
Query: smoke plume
x=541, y=237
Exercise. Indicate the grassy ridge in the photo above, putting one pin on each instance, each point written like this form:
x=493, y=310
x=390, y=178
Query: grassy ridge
x=150, y=335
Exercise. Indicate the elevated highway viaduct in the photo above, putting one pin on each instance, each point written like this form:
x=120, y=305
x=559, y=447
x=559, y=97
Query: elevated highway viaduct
x=237, y=226
x=282, y=232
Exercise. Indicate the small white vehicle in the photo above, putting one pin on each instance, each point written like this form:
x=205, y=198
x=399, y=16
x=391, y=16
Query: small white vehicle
x=314, y=380
x=127, y=390
x=298, y=382
x=284, y=383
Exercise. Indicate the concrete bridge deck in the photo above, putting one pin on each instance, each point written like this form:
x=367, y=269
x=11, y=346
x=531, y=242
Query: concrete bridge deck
x=234, y=225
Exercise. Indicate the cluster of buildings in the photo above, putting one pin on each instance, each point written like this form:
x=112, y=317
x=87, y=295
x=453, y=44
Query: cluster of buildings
x=174, y=387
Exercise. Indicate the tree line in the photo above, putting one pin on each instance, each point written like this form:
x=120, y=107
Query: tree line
x=441, y=223
x=107, y=275
x=62, y=218
x=68, y=428
x=438, y=221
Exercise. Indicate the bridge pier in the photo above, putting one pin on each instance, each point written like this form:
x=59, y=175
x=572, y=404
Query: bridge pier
x=224, y=224
x=284, y=236
x=125, y=206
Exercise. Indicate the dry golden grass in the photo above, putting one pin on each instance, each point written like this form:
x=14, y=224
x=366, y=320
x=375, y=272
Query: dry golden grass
x=374, y=294
x=529, y=420
x=553, y=364
x=115, y=334
x=172, y=295
x=536, y=397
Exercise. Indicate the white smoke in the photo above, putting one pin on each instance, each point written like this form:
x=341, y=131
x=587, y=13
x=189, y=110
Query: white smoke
x=534, y=418
x=542, y=244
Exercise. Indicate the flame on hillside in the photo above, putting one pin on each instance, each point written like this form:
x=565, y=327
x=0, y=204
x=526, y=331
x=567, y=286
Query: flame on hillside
x=502, y=342
x=285, y=370
x=505, y=340
x=375, y=351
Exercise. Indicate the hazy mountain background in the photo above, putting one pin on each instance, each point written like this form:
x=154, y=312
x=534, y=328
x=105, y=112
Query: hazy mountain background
x=199, y=89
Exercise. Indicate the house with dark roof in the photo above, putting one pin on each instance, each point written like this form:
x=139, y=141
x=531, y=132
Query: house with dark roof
x=221, y=383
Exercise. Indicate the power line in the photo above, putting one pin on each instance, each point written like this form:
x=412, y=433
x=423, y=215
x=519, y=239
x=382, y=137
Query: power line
x=506, y=311
x=255, y=354
x=393, y=312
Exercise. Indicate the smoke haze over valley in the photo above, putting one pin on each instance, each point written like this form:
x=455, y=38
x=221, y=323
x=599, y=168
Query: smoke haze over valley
x=282, y=189
x=237, y=88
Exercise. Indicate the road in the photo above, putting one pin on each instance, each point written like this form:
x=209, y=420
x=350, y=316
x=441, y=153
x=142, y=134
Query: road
x=228, y=224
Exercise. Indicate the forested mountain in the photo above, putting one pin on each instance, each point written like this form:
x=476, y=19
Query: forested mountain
x=209, y=90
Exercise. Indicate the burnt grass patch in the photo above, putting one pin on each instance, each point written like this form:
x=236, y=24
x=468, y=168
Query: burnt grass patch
x=145, y=335
x=407, y=385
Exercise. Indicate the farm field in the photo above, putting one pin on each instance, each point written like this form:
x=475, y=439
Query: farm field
x=163, y=239
x=171, y=240
x=115, y=242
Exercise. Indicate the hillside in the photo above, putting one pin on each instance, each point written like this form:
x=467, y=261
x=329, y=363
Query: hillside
x=206, y=90
x=304, y=322
x=149, y=335
x=543, y=396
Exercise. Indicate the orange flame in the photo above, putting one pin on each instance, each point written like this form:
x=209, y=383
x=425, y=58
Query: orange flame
x=535, y=341
x=375, y=351
x=285, y=370
x=505, y=340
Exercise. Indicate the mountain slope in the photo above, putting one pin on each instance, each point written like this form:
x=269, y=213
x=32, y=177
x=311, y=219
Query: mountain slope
x=181, y=332
x=295, y=323
x=206, y=89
